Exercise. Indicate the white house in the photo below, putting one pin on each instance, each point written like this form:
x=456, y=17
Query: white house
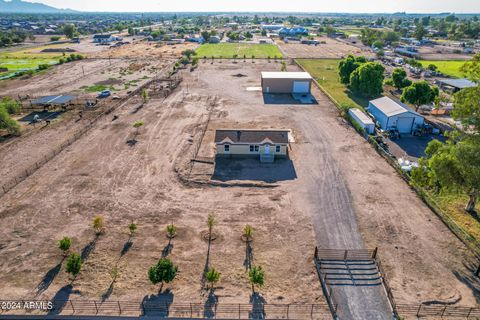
x=391, y=114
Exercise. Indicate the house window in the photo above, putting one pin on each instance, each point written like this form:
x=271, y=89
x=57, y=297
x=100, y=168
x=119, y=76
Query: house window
x=254, y=148
x=277, y=148
x=227, y=148
x=251, y=148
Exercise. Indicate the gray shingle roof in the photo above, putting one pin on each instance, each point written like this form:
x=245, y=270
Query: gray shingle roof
x=245, y=136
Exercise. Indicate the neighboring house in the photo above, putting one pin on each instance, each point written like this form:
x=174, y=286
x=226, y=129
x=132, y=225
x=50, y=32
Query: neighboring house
x=103, y=38
x=264, y=144
x=455, y=85
x=391, y=114
x=362, y=120
x=286, y=82
x=272, y=27
x=293, y=32
x=214, y=39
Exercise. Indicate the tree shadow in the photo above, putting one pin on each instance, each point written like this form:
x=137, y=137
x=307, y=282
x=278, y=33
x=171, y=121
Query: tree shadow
x=132, y=142
x=258, y=306
x=126, y=247
x=248, y=255
x=48, y=278
x=469, y=279
x=167, y=249
x=60, y=298
x=209, y=307
x=88, y=249
x=108, y=293
x=207, y=262
x=157, y=305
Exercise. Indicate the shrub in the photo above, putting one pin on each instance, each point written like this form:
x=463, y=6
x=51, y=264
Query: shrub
x=132, y=227
x=98, y=225
x=212, y=276
x=248, y=232
x=256, y=276
x=64, y=244
x=163, y=271
x=55, y=38
x=74, y=264
x=43, y=67
x=171, y=230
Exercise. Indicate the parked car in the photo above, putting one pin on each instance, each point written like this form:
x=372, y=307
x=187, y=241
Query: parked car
x=104, y=94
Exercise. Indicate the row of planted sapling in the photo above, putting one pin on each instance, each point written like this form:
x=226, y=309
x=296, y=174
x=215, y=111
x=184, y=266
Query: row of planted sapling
x=165, y=271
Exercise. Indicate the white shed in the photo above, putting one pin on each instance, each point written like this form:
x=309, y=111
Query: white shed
x=391, y=114
x=362, y=119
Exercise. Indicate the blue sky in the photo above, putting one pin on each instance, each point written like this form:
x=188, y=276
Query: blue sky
x=363, y=6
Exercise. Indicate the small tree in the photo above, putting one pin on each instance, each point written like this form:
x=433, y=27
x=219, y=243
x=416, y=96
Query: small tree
x=367, y=79
x=98, y=225
x=64, y=245
x=248, y=232
x=419, y=93
x=256, y=276
x=171, y=230
x=211, y=222
x=253, y=57
x=399, y=77
x=163, y=271
x=137, y=125
x=114, y=273
x=283, y=66
x=132, y=227
x=212, y=276
x=144, y=95
x=74, y=264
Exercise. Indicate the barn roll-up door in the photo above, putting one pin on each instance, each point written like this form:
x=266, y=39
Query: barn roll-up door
x=301, y=87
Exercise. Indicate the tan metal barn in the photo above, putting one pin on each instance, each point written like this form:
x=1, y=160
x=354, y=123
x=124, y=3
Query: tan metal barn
x=286, y=82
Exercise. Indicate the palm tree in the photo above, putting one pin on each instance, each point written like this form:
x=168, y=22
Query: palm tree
x=256, y=276
x=132, y=227
x=64, y=245
x=171, y=230
x=137, y=125
x=144, y=96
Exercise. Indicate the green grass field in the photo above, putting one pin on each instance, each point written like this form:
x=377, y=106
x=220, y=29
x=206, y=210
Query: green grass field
x=451, y=68
x=21, y=64
x=227, y=50
x=325, y=71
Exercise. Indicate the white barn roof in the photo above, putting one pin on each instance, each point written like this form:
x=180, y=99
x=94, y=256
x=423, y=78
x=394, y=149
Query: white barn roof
x=361, y=116
x=286, y=75
x=390, y=107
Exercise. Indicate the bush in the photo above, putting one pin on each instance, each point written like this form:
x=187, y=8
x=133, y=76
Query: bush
x=74, y=264
x=65, y=244
x=163, y=271
x=11, y=105
x=43, y=67
x=8, y=123
x=55, y=38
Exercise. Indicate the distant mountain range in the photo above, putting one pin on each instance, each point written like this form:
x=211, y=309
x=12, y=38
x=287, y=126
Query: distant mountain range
x=19, y=6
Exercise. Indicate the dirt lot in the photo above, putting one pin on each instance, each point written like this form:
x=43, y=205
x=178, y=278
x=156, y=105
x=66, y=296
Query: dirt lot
x=335, y=186
x=332, y=48
x=443, y=52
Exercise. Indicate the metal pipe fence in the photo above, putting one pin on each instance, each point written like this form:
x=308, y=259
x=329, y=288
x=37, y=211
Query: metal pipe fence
x=165, y=309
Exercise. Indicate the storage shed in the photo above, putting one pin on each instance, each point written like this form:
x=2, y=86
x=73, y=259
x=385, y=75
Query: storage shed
x=286, y=82
x=363, y=120
x=391, y=114
x=265, y=144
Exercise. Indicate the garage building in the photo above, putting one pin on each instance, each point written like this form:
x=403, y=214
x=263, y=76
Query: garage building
x=286, y=82
x=391, y=114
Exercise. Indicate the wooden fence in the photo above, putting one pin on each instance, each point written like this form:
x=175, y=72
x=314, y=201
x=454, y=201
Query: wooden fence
x=163, y=309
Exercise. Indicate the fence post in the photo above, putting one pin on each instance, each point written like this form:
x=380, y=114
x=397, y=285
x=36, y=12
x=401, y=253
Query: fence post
x=288, y=309
x=71, y=303
x=191, y=311
x=96, y=308
x=311, y=312
x=374, y=255
x=443, y=312
x=418, y=311
x=345, y=255
x=239, y=312
x=119, y=307
x=316, y=252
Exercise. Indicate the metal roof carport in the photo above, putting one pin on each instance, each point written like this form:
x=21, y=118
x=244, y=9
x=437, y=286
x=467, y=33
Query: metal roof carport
x=53, y=100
